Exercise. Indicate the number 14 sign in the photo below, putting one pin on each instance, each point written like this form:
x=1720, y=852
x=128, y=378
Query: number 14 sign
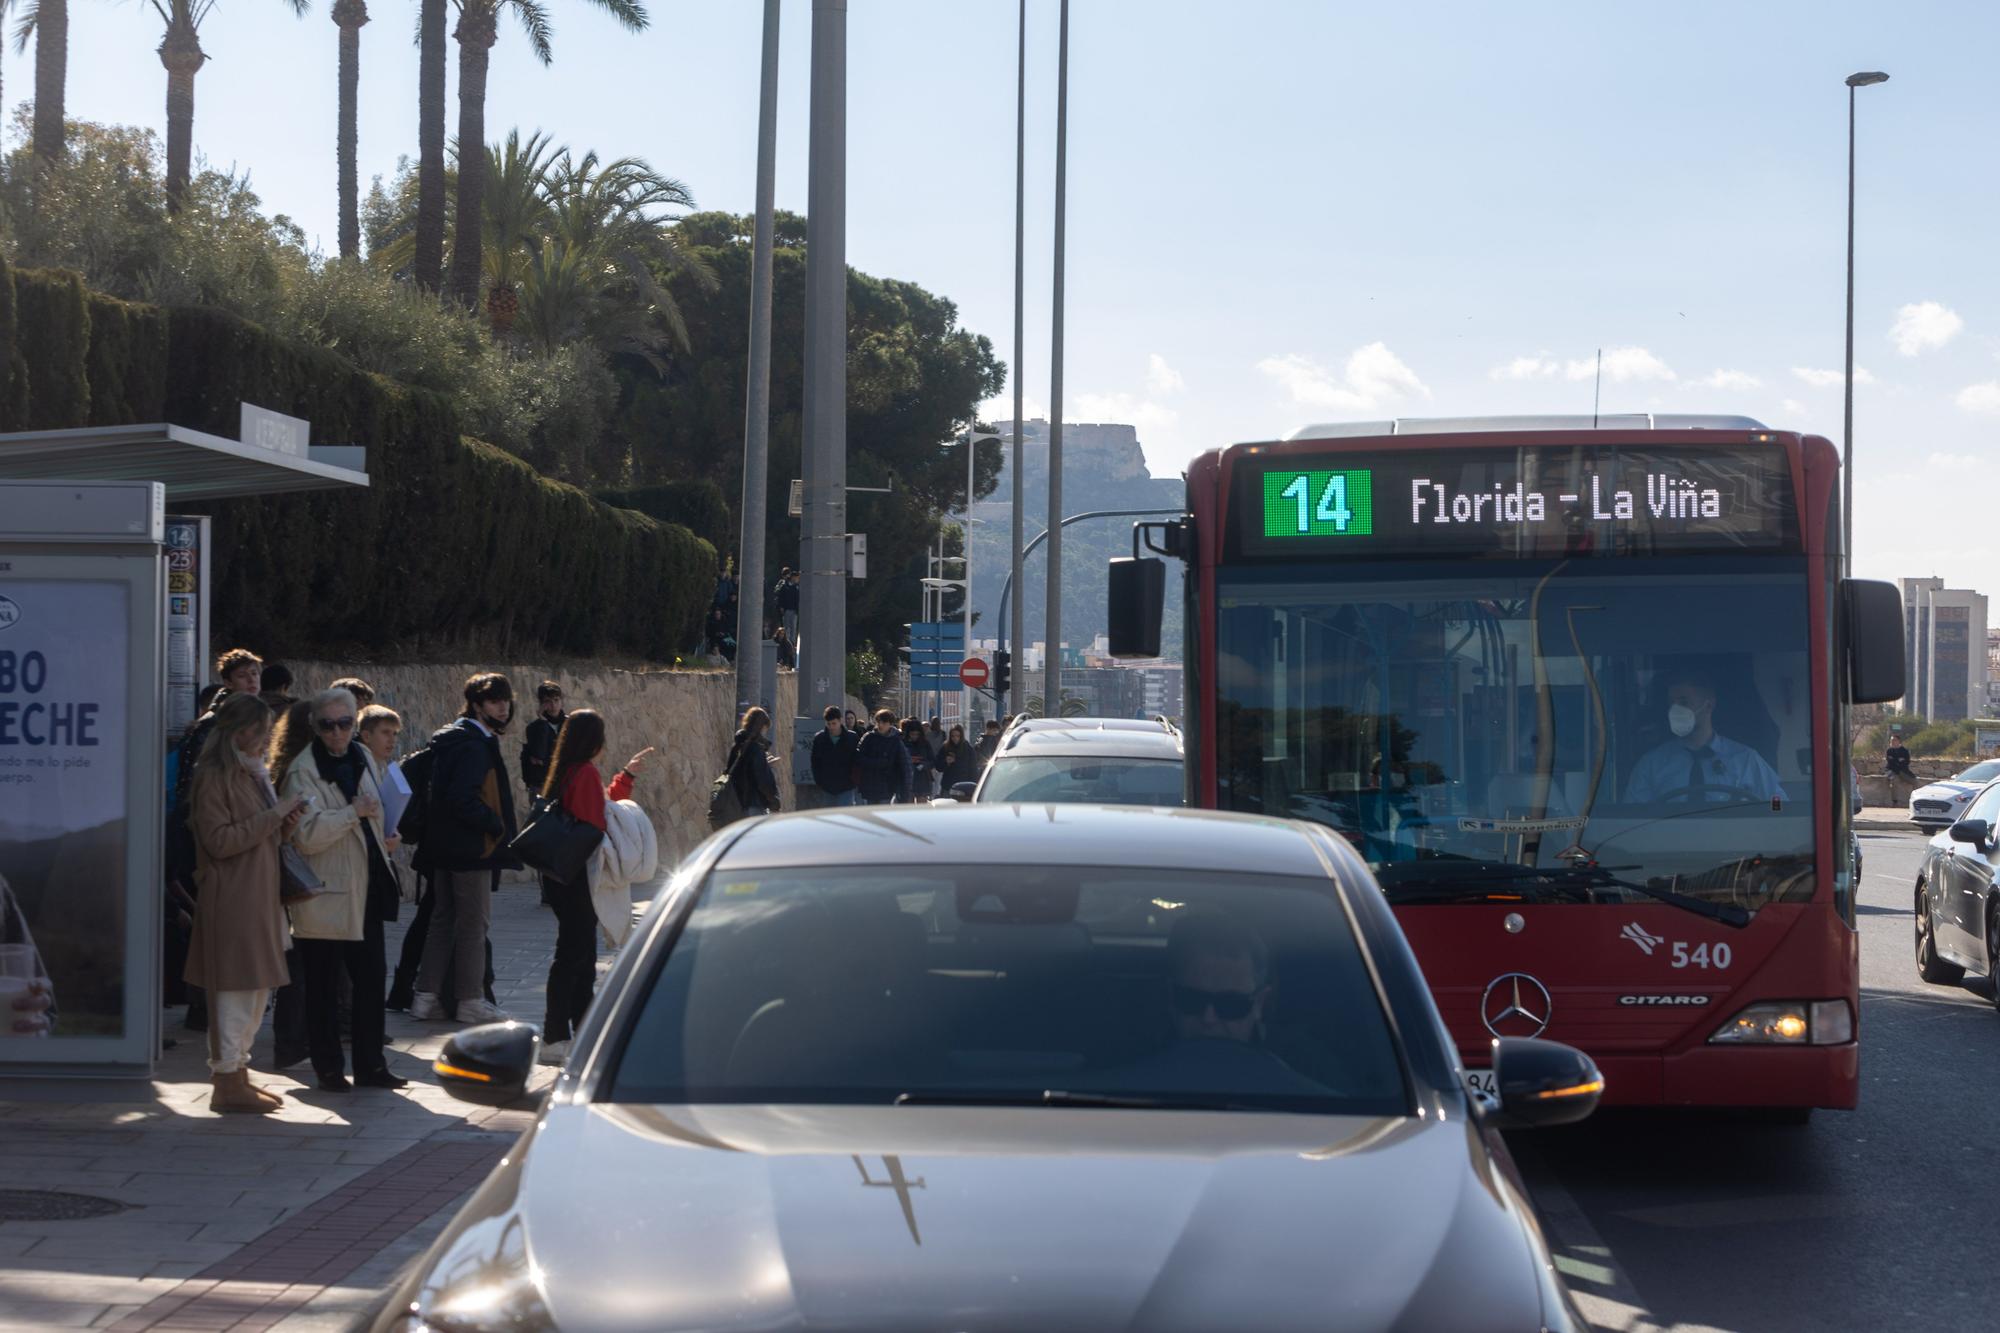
x=1319, y=504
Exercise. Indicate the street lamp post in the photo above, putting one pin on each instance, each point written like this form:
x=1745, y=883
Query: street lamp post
x=1854, y=81
x=1018, y=521
x=750, y=687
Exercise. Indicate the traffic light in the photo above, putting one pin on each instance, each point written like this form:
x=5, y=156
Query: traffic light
x=1003, y=672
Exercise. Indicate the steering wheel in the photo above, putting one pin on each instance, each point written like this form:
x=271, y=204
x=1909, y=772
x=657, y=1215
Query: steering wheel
x=1688, y=795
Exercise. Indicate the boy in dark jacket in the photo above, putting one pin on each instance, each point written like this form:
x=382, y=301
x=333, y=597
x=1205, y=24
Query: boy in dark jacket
x=538, y=742
x=833, y=759
x=471, y=822
x=884, y=763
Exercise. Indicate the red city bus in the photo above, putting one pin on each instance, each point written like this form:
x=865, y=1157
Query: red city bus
x=1578, y=691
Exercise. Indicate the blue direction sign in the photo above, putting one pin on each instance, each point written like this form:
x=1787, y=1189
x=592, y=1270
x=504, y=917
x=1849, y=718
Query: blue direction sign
x=937, y=647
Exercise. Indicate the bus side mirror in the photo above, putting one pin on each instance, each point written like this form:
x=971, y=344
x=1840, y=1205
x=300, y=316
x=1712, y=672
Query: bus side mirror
x=1874, y=641
x=1138, y=601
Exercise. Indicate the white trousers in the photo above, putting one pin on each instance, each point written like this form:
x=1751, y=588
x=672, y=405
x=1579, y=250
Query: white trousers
x=234, y=1016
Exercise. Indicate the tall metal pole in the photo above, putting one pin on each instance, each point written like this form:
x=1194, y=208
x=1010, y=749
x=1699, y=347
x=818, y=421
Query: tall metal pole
x=1856, y=81
x=757, y=407
x=1847, y=378
x=823, y=547
x=965, y=565
x=1014, y=631
x=1052, y=661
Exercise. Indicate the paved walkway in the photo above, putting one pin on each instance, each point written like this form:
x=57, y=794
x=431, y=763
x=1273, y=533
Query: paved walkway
x=293, y=1221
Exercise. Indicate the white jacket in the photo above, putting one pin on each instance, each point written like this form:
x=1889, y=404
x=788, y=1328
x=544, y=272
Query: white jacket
x=330, y=836
x=629, y=854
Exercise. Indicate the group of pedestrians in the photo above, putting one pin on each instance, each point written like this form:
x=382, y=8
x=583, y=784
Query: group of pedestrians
x=287, y=829
x=895, y=762
x=782, y=627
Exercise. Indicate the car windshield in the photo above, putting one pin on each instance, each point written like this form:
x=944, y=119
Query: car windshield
x=1981, y=772
x=1016, y=985
x=1085, y=779
x=1572, y=732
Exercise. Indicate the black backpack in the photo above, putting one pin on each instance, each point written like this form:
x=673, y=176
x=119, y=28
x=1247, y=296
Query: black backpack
x=416, y=815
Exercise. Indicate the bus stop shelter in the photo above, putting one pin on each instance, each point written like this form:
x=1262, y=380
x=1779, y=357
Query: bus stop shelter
x=97, y=577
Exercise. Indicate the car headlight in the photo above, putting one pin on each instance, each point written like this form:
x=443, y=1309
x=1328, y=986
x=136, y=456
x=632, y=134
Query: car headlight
x=1789, y=1023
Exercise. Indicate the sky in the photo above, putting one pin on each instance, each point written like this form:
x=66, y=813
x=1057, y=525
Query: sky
x=1281, y=213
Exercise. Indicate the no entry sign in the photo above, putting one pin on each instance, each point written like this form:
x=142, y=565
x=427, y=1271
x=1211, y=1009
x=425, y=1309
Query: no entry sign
x=972, y=673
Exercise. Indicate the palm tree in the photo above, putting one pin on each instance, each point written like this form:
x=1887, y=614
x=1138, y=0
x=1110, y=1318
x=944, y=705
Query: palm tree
x=181, y=53
x=478, y=28
x=517, y=213
x=349, y=16
x=48, y=22
x=431, y=188
x=598, y=274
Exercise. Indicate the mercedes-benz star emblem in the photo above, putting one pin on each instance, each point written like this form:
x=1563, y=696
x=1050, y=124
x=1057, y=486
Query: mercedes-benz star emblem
x=1515, y=1005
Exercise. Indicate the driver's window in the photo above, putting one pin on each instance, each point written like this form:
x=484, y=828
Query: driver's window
x=1987, y=806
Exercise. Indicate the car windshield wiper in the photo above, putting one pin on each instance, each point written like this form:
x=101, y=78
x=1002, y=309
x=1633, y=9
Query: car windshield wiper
x=1060, y=1097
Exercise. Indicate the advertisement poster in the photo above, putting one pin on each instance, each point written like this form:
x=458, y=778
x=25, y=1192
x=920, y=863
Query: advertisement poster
x=186, y=620
x=64, y=653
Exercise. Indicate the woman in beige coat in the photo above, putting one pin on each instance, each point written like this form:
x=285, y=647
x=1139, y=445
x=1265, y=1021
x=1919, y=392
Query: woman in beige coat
x=237, y=950
x=339, y=932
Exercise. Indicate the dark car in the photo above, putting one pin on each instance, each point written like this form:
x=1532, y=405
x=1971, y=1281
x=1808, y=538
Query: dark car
x=1958, y=896
x=1007, y=1067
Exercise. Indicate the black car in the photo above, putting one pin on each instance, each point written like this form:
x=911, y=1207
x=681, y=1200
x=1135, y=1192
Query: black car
x=1000, y=1067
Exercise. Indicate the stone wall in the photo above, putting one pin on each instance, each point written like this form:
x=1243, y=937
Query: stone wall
x=688, y=715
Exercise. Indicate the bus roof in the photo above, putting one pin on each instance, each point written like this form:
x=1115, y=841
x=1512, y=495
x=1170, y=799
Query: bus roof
x=1342, y=430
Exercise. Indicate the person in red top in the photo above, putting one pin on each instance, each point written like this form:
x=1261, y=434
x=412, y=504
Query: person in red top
x=574, y=778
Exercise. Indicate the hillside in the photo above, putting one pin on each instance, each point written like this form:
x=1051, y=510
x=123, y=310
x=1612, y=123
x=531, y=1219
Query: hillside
x=1103, y=468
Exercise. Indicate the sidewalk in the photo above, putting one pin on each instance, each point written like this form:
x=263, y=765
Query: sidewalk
x=291, y=1221
x=1885, y=819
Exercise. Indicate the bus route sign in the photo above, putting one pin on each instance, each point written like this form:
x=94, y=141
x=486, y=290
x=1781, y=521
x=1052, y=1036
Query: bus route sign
x=1314, y=503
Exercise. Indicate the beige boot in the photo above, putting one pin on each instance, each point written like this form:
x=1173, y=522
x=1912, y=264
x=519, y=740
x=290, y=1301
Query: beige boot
x=271, y=1099
x=234, y=1093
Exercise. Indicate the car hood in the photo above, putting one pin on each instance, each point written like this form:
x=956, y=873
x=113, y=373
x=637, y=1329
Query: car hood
x=892, y=1218
x=1947, y=789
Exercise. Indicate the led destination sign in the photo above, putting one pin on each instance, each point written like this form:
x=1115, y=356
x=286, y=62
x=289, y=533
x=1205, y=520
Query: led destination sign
x=1548, y=500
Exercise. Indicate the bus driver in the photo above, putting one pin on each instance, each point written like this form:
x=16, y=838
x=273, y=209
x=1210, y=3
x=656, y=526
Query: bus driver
x=1698, y=764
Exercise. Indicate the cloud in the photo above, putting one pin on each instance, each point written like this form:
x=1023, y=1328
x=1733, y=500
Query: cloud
x=1830, y=379
x=1728, y=379
x=1621, y=364
x=1794, y=410
x=1372, y=377
x=1161, y=377
x=1538, y=367
x=1982, y=398
x=1943, y=462
x=1923, y=326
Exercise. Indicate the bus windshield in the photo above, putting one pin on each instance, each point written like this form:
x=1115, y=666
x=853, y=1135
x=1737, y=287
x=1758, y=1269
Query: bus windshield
x=1550, y=731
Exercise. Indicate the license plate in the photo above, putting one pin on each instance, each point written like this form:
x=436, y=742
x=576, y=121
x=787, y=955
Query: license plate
x=1479, y=1082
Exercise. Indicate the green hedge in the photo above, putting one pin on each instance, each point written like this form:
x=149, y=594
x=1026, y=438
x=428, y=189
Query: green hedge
x=696, y=505
x=456, y=546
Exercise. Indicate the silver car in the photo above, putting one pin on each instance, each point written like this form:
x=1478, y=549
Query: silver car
x=1095, y=761
x=1004, y=1067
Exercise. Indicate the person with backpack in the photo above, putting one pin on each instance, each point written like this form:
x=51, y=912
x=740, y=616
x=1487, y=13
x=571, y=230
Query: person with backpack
x=413, y=828
x=471, y=821
x=749, y=765
x=883, y=763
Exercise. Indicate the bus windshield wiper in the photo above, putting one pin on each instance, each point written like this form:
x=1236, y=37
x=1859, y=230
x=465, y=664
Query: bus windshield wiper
x=1729, y=914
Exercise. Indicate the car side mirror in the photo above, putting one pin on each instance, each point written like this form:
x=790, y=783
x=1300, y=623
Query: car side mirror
x=962, y=791
x=1872, y=630
x=488, y=1065
x=1543, y=1083
x=1975, y=831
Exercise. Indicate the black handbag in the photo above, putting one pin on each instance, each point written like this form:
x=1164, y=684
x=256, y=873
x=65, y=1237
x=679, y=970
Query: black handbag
x=555, y=842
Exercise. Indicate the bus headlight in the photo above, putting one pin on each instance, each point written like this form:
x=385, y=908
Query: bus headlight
x=1789, y=1023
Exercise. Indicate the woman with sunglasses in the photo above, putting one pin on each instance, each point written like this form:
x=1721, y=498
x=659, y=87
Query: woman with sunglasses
x=314, y=756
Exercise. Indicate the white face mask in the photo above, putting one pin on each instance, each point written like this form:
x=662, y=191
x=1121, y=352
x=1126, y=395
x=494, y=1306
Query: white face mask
x=1680, y=720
